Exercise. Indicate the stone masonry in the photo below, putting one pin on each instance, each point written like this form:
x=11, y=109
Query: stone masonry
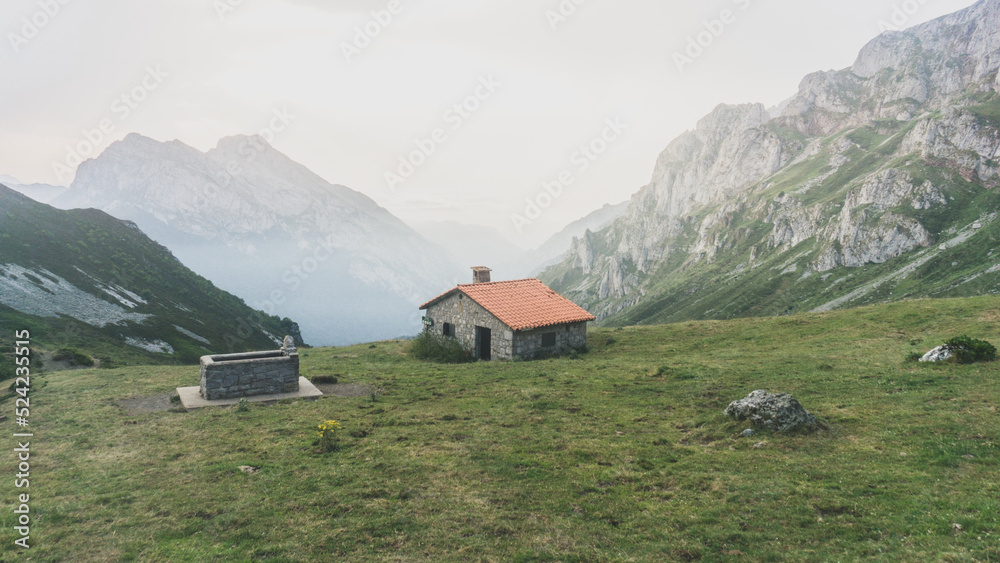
x=231, y=376
x=464, y=315
x=529, y=343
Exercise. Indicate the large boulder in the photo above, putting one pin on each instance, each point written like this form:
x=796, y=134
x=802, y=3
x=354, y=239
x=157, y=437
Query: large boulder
x=939, y=354
x=772, y=411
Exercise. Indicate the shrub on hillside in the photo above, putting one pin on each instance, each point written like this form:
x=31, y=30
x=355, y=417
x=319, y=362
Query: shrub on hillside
x=107, y=362
x=74, y=357
x=970, y=350
x=439, y=348
x=6, y=367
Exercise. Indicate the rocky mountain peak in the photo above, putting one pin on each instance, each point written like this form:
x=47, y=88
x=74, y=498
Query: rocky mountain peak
x=725, y=117
x=894, y=160
x=966, y=42
x=244, y=207
x=235, y=142
x=886, y=51
x=901, y=74
x=135, y=144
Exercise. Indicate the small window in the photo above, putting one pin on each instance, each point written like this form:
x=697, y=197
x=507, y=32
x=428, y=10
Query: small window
x=447, y=329
x=548, y=340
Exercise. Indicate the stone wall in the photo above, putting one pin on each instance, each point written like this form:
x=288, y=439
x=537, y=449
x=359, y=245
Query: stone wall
x=529, y=343
x=465, y=315
x=231, y=376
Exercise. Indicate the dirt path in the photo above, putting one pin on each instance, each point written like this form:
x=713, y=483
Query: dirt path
x=153, y=403
x=345, y=389
x=161, y=402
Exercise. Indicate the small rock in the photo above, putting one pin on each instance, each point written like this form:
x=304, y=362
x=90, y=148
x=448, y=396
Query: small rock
x=249, y=469
x=940, y=354
x=759, y=445
x=774, y=411
x=956, y=529
x=747, y=433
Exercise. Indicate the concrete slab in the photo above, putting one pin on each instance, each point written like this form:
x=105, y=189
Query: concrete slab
x=192, y=399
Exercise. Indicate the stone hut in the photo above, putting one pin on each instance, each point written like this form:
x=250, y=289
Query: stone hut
x=509, y=319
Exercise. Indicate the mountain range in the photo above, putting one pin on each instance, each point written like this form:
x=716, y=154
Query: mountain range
x=483, y=245
x=42, y=193
x=272, y=232
x=873, y=183
x=83, y=279
x=288, y=242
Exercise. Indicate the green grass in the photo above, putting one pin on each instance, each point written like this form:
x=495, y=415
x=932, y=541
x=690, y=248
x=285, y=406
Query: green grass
x=620, y=455
x=91, y=250
x=988, y=114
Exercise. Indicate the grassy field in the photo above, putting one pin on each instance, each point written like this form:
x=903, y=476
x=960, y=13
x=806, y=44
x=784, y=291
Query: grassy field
x=620, y=454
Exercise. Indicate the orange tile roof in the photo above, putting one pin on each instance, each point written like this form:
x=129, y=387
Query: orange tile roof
x=521, y=304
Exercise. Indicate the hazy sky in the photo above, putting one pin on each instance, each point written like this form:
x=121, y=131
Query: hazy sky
x=502, y=93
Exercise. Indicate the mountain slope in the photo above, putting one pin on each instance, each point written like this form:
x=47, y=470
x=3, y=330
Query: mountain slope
x=83, y=279
x=553, y=249
x=272, y=232
x=42, y=193
x=875, y=183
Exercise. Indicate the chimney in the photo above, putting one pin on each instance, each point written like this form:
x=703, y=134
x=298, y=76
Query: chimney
x=481, y=274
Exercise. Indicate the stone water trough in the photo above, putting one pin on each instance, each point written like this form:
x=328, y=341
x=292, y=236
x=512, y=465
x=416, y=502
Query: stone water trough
x=229, y=376
x=268, y=375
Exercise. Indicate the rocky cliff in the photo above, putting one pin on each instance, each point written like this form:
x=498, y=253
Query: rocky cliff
x=863, y=174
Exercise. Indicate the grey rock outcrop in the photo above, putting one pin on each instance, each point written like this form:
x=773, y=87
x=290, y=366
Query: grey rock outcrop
x=942, y=353
x=772, y=411
x=861, y=167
